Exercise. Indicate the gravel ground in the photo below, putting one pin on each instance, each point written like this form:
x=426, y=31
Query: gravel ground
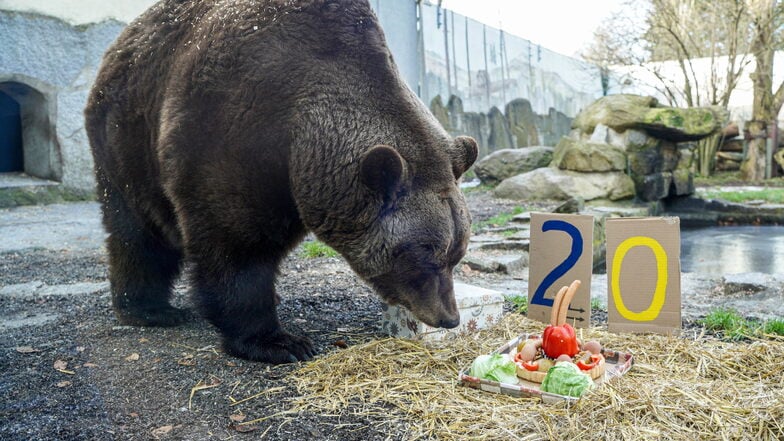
x=70, y=372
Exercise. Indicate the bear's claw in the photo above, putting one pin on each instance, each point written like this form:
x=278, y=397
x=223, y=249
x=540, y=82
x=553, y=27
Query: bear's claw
x=279, y=348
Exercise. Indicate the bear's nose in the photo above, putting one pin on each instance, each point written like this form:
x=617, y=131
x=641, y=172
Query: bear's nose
x=449, y=323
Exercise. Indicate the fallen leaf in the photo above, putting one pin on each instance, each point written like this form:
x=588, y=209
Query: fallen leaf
x=237, y=417
x=27, y=350
x=60, y=365
x=90, y=365
x=231, y=364
x=340, y=343
x=133, y=415
x=186, y=361
x=244, y=428
x=132, y=357
x=65, y=383
x=162, y=431
x=143, y=340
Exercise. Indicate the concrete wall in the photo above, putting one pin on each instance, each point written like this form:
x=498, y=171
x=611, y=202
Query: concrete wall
x=80, y=12
x=52, y=49
x=48, y=66
x=503, y=90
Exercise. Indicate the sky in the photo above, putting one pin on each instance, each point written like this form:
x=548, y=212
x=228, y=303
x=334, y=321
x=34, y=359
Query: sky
x=564, y=26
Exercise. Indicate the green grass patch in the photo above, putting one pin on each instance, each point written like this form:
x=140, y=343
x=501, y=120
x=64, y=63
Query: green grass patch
x=725, y=178
x=520, y=303
x=729, y=323
x=772, y=195
x=773, y=327
x=316, y=249
x=734, y=327
x=498, y=220
x=596, y=305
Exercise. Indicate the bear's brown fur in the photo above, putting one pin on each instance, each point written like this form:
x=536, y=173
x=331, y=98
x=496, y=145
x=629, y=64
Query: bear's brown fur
x=223, y=131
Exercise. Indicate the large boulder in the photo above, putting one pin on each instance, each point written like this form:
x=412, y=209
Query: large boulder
x=522, y=121
x=622, y=112
x=551, y=183
x=506, y=163
x=587, y=156
x=500, y=136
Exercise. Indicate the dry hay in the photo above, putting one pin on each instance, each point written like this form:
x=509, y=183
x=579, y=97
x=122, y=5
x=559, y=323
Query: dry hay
x=678, y=389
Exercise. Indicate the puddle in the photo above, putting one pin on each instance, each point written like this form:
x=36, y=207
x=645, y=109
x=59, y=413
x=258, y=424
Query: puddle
x=730, y=250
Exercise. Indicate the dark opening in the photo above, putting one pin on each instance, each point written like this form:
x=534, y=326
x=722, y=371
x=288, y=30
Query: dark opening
x=11, y=148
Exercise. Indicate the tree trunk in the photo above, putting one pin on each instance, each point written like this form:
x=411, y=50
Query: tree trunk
x=767, y=102
x=753, y=167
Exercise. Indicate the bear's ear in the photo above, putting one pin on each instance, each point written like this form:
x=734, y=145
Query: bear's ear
x=382, y=170
x=463, y=153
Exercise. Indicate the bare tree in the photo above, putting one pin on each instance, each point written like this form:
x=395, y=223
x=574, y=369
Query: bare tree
x=682, y=34
x=768, y=25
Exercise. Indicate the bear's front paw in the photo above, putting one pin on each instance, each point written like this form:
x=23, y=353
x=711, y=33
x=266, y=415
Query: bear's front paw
x=278, y=348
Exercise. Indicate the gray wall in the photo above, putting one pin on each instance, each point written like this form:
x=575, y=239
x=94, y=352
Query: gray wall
x=48, y=66
x=523, y=95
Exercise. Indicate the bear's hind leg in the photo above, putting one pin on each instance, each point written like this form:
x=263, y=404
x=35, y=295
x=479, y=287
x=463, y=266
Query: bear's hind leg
x=142, y=268
x=240, y=300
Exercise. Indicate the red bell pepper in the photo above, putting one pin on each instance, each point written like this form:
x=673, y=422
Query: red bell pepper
x=559, y=340
x=595, y=359
x=531, y=366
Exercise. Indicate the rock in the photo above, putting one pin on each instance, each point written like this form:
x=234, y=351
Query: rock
x=475, y=124
x=745, y=283
x=552, y=126
x=622, y=112
x=601, y=135
x=678, y=125
x=440, y=112
x=500, y=137
x=654, y=186
x=455, y=109
x=683, y=182
x=551, y=183
x=573, y=205
x=506, y=163
x=586, y=156
x=619, y=112
x=522, y=122
x=698, y=212
x=496, y=263
x=670, y=156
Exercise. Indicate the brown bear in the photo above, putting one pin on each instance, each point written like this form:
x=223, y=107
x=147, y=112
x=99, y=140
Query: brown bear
x=223, y=132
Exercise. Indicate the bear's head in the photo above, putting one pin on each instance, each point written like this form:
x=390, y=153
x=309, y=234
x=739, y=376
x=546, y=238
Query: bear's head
x=373, y=173
x=421, y=232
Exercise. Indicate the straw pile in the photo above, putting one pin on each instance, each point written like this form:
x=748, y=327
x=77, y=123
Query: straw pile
x=678, y=389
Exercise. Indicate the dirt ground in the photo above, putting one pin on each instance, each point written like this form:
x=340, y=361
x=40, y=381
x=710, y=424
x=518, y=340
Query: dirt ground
x=70, y=372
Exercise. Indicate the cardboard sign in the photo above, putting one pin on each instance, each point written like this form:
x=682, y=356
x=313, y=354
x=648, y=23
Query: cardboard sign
x=561, y=252
x=644, y=275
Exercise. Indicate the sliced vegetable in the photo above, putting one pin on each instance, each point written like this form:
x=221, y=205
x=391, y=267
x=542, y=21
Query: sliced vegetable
x=531, y=366
x=588, y=365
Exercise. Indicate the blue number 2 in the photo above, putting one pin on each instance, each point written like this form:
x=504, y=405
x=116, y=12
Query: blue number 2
x=566, y=265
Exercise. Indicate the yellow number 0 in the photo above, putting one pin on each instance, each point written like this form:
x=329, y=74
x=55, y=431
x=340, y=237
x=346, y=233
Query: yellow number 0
x=661, y=280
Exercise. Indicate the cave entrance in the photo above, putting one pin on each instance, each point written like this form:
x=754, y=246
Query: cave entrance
x=27, y=137
x=11, y=151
